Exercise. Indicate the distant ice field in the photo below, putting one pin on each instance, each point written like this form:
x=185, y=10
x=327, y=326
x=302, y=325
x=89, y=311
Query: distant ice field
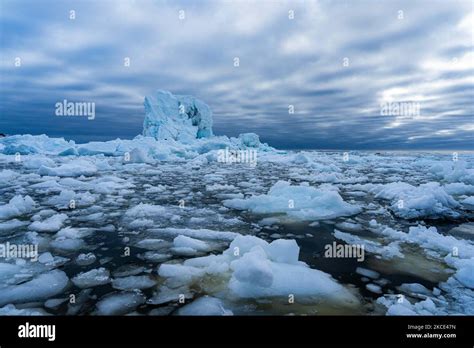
x=138, y=227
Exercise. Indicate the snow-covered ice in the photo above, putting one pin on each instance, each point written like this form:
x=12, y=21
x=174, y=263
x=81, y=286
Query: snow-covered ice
x=94, y=277
x=300, y=202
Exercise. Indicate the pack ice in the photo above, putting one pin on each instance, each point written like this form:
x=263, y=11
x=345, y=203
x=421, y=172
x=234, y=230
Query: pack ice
x=212, y=238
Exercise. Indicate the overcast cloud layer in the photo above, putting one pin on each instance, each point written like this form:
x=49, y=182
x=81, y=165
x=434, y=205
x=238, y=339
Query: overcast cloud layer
x=417, y=51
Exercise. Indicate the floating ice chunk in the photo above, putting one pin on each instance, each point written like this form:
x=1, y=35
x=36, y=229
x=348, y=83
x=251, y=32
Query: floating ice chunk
x=181, y=118
x=76, y=184
x=249, y=140
x=155, y=189
x=302, y=202
x=151, y=244
x=348, y=226
x=141, y=223
x=427, y=200
x=397, y=305
x=180, y=274
x=269, y=221
x=7, y=272
x=459, y=188
x=7, y=176
x=10, y=309
x=376, y=289
x=397, y=308
x=300, y=159
x=30, y=144
x=17, y=206
x=465, y=273
x=11, y=225
x=453, y=171
x=298, y=280
x=43, y=214
x=243, y=244
x=185, y=251
x=219, y=187
x=42, y=287
x=54, y=303
x=74, y=168
x=47, y=186
x=153, y=256
x=70, y=199
x=85, y=259
x=367, y=273
x=119, y=303
x=96, y=217
x=188, y=242
x=196, y=233
x=64, y=244
x=414, y=288
x=429, y=238
x=258, y=270
x=51, y=224
x=145, y=210
x=46, y=258
x=165, y=294
x=36, y=162
x=133, y=282
x=205, y=305
x=213, y=264
x=74, y=233
x=94, y=277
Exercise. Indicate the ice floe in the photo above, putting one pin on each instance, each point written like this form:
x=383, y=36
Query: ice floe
x=257, y=269
x=300, y=202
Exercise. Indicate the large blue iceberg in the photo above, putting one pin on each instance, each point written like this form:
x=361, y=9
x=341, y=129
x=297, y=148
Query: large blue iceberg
x=179, y=117
x=175, y=126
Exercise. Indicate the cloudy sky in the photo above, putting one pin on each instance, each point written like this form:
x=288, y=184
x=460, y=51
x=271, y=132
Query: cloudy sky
x=336, y=62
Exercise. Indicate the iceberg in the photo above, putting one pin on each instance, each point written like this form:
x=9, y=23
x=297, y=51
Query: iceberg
x=178, y=117
x=174, y=127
